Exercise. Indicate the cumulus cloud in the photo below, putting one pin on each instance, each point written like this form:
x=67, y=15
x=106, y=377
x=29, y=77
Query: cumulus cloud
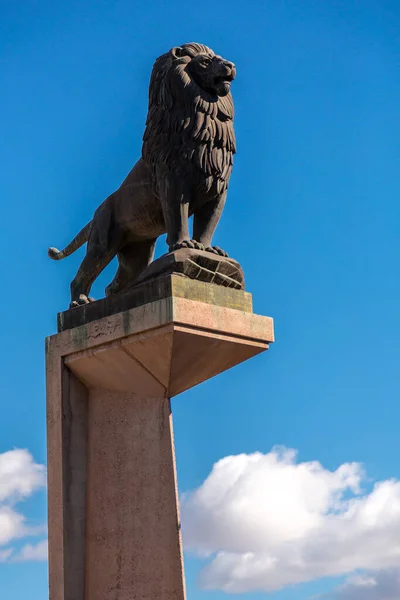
x=20, y=477
x=375, y=585
x=32, y=552
x=12, y=525
x=266, y=521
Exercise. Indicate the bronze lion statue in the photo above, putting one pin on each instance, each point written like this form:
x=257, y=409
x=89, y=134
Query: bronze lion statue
x=186, y=163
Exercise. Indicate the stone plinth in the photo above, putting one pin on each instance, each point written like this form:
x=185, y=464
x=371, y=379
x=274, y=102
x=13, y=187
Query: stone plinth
x=114, y=528
x=168, y=286
x=197, y=265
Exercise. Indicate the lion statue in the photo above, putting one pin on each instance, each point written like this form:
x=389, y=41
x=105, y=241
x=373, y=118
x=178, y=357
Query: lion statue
x=186, y=163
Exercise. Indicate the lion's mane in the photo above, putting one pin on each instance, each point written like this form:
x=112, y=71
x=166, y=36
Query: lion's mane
x=186, y=124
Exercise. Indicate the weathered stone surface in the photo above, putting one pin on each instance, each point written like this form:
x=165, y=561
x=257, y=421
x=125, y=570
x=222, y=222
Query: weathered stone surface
x=181, y=342
x=167, y=286
x=196, y=264
x=114, y=525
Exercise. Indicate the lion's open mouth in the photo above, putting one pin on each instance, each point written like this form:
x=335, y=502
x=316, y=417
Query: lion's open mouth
x=223, y=79
x=222, y=84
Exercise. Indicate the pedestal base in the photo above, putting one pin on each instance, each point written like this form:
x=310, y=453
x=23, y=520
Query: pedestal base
x=114, y=528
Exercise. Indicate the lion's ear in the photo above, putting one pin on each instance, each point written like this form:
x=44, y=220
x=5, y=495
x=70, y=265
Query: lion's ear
x=177, y=52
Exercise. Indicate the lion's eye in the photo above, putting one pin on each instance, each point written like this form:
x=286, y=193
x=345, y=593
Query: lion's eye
x=205, y=61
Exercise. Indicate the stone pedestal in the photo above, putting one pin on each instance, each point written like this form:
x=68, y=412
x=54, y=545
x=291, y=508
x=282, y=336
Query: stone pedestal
x=114, y=528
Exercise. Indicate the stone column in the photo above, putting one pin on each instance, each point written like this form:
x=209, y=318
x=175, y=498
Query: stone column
x=114, y=527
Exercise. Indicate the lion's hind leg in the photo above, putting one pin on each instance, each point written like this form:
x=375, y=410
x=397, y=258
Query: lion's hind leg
x=96, y=259
x=132, y=259
x=89, y=270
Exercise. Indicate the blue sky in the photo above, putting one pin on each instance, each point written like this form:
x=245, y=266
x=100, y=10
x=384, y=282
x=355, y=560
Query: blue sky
x=312, y=215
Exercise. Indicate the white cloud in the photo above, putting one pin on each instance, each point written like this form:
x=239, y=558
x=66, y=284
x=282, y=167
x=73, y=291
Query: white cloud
x=266, y=521
x=32, y=552
x=12, y=525
x=374, y=585
x=20, y=477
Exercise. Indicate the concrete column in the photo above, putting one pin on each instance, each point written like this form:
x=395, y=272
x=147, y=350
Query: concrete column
x=114, y=527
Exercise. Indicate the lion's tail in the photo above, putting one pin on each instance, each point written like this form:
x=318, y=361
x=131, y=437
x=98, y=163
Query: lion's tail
x=76, y=243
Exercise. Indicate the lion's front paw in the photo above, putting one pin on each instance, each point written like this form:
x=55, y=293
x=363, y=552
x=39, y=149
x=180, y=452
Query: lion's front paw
x=192, y=244
x=82, y=300
x=198, y=245
x=217, y=250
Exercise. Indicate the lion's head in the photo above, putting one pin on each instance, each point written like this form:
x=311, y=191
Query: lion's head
x=213, y=74
x=190, y=115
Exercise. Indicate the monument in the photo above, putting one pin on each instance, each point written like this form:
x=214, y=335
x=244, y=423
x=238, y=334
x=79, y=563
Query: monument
x=164, y=326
